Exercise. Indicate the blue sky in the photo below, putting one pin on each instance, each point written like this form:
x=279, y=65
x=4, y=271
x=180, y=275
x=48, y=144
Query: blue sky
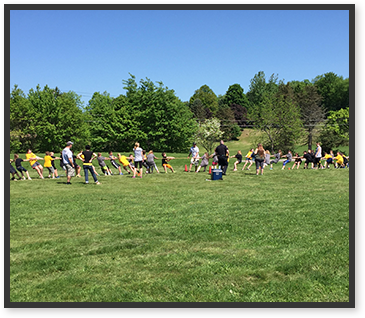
x=94, y=51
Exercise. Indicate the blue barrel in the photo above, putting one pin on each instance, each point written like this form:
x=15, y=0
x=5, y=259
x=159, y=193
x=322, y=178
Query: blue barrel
x=216, y=174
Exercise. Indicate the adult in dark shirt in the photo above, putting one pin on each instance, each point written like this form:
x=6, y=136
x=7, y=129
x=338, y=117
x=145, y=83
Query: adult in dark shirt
x=86, y=157
x=223, y=154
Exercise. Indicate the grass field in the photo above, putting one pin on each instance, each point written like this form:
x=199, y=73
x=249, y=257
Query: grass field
x=176, y=237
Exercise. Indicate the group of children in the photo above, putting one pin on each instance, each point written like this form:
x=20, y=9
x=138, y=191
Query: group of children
x=314, y=158
x=141, y=159
x=131, y=164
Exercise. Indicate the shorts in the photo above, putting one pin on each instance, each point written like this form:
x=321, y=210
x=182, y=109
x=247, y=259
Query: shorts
x=285, y=162
x=194, y=161
x=329, y=160
x=12, y=170
x=138, y=163
x=238, y=162
x=50, y=169
x=70, y=170
x=104, y=168
x=167, y=165
x=317, y=160
x=298, y=160
x=248, y=159
x=20, y=169
x=115, y=165
x=259, y=163
x=274, y=161
x=35, y=165
x=150, y=164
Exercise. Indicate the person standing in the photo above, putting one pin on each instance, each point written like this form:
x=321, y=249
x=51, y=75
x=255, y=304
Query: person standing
x=67, y=160
x=259, y=159
x=86, y=157
x=138, y=159
x=194, y=152
x=318, y=156
x=223, y=153
x=34, y=163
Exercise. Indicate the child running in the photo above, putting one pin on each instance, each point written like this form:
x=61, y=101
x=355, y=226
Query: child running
x=19, y=167
x=238, y=156
x=114, y=164
x=289, y=157
x=248, y=159
x=165, y=161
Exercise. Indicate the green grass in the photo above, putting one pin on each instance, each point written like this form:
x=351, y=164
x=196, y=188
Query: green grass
x=280, y=237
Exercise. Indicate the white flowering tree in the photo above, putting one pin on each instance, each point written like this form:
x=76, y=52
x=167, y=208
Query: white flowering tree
x=209, y=133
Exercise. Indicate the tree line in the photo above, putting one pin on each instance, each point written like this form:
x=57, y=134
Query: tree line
x=150, y=113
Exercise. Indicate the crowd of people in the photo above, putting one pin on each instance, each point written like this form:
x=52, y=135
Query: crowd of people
x=135, y=164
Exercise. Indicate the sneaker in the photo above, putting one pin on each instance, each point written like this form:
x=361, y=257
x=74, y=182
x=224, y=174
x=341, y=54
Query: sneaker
x=270, y=168
x=86, y=182
x=58, y=177
x=68, y=183
x=98, y=183
x=29, y=178
x=23, y=178
x=121, y=173
x=234, y=169
x=133, y=176
x=49, y=176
